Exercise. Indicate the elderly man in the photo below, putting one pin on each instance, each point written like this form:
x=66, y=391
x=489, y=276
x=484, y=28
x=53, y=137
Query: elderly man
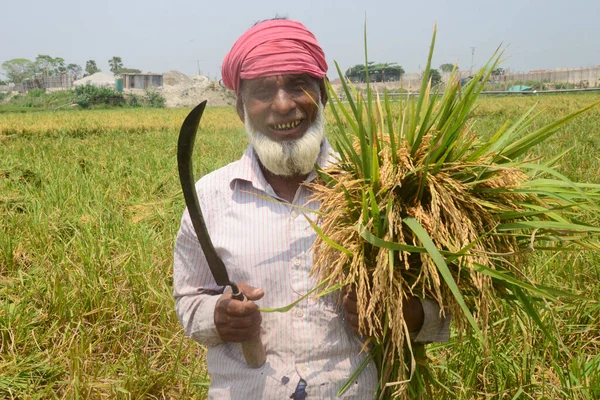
x=253, y=213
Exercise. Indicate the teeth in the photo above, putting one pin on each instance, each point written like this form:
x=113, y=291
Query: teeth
x=289, y=125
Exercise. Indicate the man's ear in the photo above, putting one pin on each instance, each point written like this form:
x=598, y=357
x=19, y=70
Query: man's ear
x=323, y=91
x=239, y=107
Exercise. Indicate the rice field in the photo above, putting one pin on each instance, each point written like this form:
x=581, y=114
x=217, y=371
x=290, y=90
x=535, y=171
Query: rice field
x=89, y=208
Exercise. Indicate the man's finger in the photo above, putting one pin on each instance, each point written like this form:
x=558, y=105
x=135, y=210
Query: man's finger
x=251, y=292
x=237, y=308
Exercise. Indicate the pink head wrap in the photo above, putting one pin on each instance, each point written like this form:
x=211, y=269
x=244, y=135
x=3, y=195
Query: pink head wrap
x=270, y=48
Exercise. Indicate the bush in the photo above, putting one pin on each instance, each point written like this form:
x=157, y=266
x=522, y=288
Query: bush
x=154, y=99
x=35, y=93
x=536, y=85
x=564, y=85
x=134, y=100
x=89, y=95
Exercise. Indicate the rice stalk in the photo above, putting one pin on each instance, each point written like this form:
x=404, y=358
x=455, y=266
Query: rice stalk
x=417, y=205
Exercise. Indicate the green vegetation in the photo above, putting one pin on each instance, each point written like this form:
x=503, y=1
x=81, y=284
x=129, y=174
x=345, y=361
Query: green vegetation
x=377, y=72
x=435, y=77
x=86, y=97
x=89, y=207
x=153, y=98
x=86, y=235
x=447, y=67
x=90, y=95
x=419, y=204
x=19, y=69
x=115, y=63
x=116, y=66
x=91, y=67
x=38, y=100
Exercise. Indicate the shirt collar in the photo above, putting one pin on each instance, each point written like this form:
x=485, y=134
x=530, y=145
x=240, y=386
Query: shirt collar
x=248, y=168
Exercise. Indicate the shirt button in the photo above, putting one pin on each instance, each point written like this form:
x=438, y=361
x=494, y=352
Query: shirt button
x=294, y=214
x=299, y=313
x=297, y=262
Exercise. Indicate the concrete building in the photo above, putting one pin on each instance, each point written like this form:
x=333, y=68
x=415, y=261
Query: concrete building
x=141, y=81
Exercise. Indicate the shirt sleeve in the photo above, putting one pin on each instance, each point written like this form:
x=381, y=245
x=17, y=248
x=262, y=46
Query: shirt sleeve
x=194, y=288
x=436, y=327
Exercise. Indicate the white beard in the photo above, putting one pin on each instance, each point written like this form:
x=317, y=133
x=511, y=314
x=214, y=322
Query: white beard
x=289, y=157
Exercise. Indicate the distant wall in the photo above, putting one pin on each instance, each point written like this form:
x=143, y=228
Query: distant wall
x=46, y=82
x=584, y=77
x=410, y=81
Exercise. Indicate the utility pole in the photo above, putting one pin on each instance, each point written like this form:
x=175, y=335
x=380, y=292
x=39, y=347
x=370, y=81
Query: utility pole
x=472, y=59
x=199, y=72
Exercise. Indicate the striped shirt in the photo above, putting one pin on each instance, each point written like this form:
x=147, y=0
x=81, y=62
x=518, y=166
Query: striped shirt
x=267, y=244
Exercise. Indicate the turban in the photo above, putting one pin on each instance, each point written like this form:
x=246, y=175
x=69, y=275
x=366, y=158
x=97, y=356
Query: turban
x=270, y=48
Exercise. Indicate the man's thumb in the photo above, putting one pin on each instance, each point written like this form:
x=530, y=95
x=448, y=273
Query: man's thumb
x=251, y=292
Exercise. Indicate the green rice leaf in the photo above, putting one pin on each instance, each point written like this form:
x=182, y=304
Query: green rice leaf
x=375, y=241
x=544, y=291
x=293, y=304
x=375, y=214
x=368, y=359
x=523, y=145
x=548, y=225
x=416, y=227
x=424, y=83
x=390, y=121
x=325, y=238
x=531, y=311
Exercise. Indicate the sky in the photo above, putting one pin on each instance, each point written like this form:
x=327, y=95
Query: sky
x=192, y=36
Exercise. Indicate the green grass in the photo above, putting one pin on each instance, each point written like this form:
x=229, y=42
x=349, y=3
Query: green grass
x=86, y=235
x=87, y=223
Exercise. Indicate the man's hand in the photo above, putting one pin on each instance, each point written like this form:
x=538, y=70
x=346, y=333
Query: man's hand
x=412, y=310
x=239, y=321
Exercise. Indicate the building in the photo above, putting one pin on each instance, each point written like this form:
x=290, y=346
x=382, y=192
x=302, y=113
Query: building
x=141, y=81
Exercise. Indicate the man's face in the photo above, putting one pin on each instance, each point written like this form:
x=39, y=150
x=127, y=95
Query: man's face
x=281, y=107
x=284, y=121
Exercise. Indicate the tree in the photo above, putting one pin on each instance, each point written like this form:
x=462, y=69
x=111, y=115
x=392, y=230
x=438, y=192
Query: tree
x=74, y=69
x=44, y=64
x=377, y=72
x=18, y=69
x=127, y=70
x=435, y=77
x=447, y=67
x=115, y=64
x=91, y=68
x=498, y=72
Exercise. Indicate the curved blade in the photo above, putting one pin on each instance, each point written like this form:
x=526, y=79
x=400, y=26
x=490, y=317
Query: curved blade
x=185, y=149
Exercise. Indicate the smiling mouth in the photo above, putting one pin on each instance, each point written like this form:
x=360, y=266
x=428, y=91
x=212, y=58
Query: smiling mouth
x=287, y=125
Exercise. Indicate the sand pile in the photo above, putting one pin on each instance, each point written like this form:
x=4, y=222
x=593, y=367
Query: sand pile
x=181, y=90
x=98, y=79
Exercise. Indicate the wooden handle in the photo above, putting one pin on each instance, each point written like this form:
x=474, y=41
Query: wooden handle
x=254, y=352
x=254, y=349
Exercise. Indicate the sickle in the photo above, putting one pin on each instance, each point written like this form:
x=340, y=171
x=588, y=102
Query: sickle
x=254, y=350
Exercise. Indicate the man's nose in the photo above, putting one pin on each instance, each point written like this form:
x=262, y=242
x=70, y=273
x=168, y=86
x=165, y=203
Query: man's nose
x=283, y=102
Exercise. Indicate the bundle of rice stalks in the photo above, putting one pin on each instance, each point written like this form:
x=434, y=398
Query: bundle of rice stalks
x=418, y=205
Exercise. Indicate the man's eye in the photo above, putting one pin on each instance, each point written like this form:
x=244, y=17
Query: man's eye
x=260, y=93
x=300, y=86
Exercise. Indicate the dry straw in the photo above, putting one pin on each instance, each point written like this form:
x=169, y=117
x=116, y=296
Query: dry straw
x=418, y=205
